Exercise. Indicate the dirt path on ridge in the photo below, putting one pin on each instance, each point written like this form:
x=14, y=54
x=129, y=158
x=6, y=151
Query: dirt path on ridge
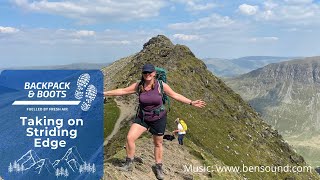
x=127, y=110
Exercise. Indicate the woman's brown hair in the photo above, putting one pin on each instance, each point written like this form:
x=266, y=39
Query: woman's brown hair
x=141, y=85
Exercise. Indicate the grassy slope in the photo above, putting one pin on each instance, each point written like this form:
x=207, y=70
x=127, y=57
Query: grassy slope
x=212, y=127
x=111, y=114
x=294, y=119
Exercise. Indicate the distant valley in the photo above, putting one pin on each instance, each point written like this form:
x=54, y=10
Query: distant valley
x=287, y=95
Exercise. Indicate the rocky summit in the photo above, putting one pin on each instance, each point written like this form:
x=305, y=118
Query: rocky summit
x=227, y=132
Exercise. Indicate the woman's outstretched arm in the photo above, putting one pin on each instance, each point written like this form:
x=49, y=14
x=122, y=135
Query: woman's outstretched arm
x=122, y=91
x=181, y=98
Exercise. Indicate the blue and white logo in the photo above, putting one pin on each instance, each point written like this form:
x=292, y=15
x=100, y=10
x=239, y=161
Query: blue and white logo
x=51, y=124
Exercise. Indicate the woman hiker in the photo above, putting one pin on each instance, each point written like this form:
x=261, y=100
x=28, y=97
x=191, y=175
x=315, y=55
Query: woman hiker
x=150, y=99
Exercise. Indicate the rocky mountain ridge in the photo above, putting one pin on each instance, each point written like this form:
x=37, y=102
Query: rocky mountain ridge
x=227, y=132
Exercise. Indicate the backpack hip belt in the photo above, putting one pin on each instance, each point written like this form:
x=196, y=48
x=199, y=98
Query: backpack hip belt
x=154, y=111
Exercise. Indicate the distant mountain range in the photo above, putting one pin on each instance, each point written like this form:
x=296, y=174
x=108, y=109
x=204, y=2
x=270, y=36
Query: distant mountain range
x=287, y=95
x=235, y=67
x=220, y=67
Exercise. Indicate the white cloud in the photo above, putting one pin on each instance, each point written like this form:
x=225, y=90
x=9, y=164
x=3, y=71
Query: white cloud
x=292, y=29
x=51, y=7
x=264, y=39
x=213, y=21
x=248, y=9
x=192, y=6
x=91, y=11
x=298, y=1
x=182, y=1
x=185, y=37
x=268, y=15
x=84, y=33
x=42, y=46
x=195, y=5
x=115, y=42
x=270, y=4
x=172, y=8
x=301, y=12
x=61, y=37
x=298, y=12
x=8, y=30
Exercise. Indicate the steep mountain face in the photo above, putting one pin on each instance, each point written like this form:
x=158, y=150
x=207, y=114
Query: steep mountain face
x=227, y=132
x=288, y=97
x=235, y=67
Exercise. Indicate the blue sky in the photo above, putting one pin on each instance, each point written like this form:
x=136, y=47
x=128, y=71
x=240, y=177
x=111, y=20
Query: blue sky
x=55, y=32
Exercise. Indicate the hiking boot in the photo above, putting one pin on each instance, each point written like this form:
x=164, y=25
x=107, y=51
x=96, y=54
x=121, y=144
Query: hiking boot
x=159, y=171
x=138, y=160
x=127, y=166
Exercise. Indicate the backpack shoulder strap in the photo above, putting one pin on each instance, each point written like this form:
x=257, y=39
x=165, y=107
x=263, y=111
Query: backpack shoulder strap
x=160, y=83
x=165, y=97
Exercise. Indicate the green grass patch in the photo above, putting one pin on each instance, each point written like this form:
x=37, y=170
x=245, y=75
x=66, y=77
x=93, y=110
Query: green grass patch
x=117, y=142
x=111, y=114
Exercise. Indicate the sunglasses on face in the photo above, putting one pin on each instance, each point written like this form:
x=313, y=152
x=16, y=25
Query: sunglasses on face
x=146, y=72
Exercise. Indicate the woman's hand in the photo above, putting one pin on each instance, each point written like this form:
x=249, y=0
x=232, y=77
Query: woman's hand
x=198, y=103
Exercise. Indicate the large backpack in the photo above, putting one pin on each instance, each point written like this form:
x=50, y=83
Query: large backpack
x=183, y=124
x=161, y=76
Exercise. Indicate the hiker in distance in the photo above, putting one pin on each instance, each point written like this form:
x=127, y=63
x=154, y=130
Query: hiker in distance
x=152, y=115
x=181, y=130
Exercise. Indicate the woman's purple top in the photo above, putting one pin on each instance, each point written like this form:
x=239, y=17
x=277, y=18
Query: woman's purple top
x=149, y=101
